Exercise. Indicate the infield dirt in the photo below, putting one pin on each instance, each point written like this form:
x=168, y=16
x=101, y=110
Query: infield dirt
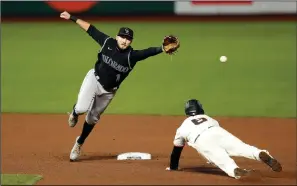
x=40, y=144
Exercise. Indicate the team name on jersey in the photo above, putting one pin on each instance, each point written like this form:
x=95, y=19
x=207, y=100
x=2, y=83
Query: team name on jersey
x=114, y=64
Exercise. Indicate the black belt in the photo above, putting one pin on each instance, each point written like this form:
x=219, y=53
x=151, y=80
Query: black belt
x=107, y=89
x=201, y=133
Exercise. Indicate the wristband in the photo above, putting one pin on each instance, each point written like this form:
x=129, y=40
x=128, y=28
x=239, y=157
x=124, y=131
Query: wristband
x=73, y=18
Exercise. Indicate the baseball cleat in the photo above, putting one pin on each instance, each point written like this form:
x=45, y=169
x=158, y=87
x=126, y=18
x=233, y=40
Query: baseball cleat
x=239, y=173
x=72, y=120
x=75, y=152
x=270, y=161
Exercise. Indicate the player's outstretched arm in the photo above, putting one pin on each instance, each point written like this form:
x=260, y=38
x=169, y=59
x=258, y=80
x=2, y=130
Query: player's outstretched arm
x=169, y=45
x=174, y=158
x=179, y=143
x=98, y=36
x=83, y=24
x=139, y=55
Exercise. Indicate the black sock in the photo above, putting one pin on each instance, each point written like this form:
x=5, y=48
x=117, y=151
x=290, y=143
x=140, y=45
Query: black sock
x=74, y=113
x=87, y=128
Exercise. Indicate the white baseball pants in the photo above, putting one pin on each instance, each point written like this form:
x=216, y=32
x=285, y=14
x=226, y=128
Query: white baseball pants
x=92, y=98
x=217, y=145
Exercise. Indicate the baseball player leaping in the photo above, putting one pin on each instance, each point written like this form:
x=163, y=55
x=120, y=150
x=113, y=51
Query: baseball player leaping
x=215, y=144
x=116, y=59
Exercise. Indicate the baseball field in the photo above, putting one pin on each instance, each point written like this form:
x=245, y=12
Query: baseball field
x=253, y=95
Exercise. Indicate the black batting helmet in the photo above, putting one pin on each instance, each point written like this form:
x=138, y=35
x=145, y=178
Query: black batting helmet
x=193, y=107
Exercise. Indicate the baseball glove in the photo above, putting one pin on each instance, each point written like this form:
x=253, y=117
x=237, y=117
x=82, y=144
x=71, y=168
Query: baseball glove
x=170, y=44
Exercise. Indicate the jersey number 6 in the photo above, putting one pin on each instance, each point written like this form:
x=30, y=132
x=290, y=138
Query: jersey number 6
x=198, y=121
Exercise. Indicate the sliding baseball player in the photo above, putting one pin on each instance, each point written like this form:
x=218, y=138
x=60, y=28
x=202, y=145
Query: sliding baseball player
x=215, y=144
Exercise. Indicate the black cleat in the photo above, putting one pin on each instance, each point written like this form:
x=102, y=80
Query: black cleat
x=239, y=173
x=271, y=162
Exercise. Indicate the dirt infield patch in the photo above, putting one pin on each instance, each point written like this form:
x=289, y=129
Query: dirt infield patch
x=40, y=144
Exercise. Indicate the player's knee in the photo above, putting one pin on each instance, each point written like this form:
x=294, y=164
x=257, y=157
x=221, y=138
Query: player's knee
x=92, y=120
x=81, y=109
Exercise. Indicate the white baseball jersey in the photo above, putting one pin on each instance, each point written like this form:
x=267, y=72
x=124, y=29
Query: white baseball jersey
x=216, y=144
x=191, y=128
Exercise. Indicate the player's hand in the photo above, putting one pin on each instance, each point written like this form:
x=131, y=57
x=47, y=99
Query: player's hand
x=65, y=15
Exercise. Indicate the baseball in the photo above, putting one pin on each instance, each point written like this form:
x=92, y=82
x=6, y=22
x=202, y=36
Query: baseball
x=223, y=58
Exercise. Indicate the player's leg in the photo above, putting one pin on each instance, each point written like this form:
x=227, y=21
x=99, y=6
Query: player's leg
x=207, y=146
x=236, y=147
x=85, y=97
x=99, y=105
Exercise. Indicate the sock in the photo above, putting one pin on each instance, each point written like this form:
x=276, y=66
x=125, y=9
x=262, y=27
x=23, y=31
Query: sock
x=87, y=129
x=74, y=113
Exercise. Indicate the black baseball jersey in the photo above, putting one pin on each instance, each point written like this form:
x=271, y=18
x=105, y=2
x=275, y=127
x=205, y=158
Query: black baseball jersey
x=113, y=65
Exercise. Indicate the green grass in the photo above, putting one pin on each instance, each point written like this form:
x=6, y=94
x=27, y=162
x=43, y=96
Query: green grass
x=19, y=179
x=43, y=66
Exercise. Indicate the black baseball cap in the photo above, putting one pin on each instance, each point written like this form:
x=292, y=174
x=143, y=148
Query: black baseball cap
x=125, y=31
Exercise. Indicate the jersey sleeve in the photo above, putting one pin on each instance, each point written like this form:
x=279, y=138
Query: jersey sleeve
x=175, y=156
x=138, y=55
x=97, y=35
x=179, y=140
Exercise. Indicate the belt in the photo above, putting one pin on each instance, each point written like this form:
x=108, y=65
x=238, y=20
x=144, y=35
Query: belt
x=201, y=133
x=98, y=79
